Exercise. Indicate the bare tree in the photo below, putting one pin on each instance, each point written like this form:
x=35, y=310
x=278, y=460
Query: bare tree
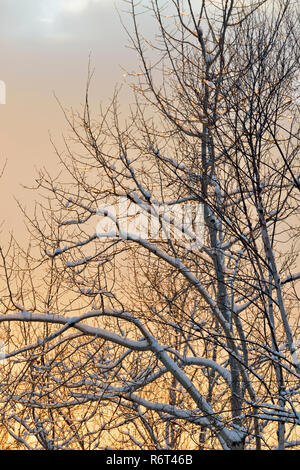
x=159, y=305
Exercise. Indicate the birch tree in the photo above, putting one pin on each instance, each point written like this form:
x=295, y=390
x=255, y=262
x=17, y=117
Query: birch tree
x=161, y=307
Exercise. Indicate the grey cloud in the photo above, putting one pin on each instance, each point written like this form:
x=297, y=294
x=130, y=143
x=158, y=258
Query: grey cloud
x=43, y=20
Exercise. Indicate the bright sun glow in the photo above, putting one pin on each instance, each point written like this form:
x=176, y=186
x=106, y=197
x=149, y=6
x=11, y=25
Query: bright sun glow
x=51, y=10
x=77, y=6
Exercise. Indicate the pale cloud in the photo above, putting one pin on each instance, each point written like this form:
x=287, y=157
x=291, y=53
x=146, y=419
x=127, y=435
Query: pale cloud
x=53, y=10
x=34, y=19
x=77, y=6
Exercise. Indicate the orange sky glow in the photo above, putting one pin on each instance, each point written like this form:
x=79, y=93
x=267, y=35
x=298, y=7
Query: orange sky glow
x=45, y=48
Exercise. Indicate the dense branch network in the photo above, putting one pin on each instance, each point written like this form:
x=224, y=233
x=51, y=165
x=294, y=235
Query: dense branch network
x=158, y=303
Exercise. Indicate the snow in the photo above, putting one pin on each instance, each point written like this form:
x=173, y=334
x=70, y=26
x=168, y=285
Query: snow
x=217, y=190
x=146, y=193
x=211, y=364
x=74, y=221
x=68, y=202
x=26, y=315
x=175, y=163
x=208, y=58
x=72, y=320
x=71, y=264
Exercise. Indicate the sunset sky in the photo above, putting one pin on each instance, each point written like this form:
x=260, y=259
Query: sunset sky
x=45, y=48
